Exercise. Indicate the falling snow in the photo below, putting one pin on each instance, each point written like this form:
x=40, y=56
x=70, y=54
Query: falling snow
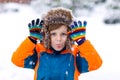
x=14, y=30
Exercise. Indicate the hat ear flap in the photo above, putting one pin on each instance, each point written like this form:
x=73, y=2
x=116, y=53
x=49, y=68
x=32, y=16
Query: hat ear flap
x=47, y=40
x=69, y=43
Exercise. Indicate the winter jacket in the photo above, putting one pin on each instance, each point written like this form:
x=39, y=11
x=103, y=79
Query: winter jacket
x=67, y=65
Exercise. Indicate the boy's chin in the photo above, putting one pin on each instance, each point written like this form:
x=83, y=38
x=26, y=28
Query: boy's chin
x=58, y=49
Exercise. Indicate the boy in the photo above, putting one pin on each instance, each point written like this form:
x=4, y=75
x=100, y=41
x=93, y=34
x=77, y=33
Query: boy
x=50, y=48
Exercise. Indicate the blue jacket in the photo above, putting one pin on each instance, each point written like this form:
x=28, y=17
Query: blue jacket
x=48, y=65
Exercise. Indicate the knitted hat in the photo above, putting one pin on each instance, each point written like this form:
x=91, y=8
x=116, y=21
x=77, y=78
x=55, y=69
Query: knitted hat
x=56, y=16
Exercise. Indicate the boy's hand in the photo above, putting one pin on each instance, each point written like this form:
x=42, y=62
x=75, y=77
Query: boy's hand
x=78, y=31
x=35, y=29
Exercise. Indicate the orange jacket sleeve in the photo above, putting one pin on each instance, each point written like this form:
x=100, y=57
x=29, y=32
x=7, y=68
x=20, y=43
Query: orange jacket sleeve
x=89, y=56
x=25, y=49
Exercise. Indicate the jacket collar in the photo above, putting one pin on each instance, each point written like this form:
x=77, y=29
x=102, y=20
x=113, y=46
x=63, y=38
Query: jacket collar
x=63, y=51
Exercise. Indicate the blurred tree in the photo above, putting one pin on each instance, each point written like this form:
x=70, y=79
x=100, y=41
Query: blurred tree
x=113, y=12
x=16, y=1
x=79, y=7
x=54, y=3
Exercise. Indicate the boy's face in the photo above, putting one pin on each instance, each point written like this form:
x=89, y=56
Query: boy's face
x=58, y=38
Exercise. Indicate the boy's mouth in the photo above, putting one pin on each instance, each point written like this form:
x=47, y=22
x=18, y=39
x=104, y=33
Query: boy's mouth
x=58, y=45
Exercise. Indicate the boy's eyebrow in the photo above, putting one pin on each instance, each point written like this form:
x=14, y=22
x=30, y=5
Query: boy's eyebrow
x=64, y=32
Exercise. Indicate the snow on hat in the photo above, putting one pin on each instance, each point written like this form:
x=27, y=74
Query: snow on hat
x=58, y=16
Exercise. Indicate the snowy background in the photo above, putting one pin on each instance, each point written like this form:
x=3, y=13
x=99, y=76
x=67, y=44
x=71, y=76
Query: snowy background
x=13, y=30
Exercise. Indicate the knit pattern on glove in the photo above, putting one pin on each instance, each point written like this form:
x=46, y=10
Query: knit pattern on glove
x=35, y=29
x=78, y=31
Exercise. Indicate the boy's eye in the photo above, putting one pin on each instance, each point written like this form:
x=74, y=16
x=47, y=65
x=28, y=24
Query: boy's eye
x=64, y=34
x=53, y=34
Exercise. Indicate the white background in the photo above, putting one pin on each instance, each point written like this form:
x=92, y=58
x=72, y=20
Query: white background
x=13, y=30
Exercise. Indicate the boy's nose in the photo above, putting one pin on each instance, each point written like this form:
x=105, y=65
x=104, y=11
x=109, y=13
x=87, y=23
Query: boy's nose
x=58, y=38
